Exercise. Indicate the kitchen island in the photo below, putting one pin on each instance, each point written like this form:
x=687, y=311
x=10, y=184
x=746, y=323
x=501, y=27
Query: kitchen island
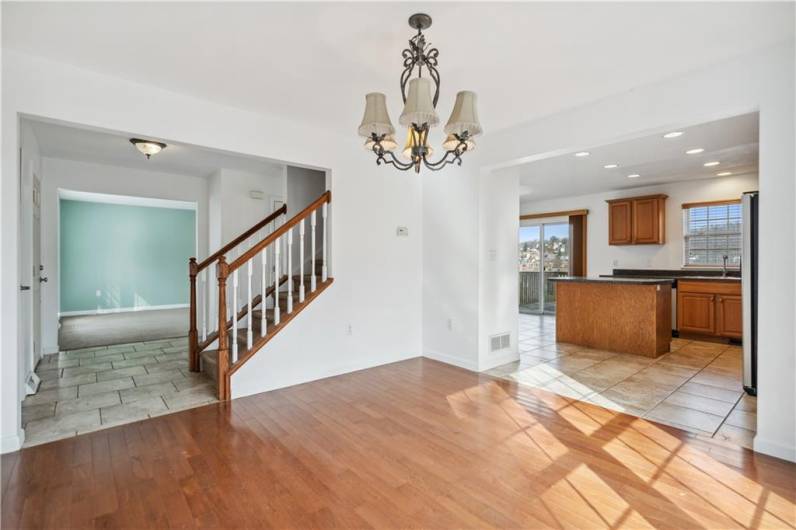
x=627, y=315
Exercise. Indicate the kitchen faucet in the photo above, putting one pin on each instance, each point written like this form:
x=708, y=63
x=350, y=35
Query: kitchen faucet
x=724, y=267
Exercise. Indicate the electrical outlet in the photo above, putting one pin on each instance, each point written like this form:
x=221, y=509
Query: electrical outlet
x=99, y=293
x=402, y=231
x=349, y=330
x=450, y=324
x=615, y=263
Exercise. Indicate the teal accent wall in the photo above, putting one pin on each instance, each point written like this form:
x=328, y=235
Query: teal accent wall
x=133, y=255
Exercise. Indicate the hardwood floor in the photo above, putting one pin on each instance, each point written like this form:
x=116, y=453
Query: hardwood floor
x=411, y=444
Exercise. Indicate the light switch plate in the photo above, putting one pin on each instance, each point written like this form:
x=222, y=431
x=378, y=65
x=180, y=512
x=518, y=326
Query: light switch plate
x=402, y=231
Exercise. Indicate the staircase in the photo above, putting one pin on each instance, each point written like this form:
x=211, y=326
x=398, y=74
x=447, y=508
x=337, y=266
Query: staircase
x=274, y=273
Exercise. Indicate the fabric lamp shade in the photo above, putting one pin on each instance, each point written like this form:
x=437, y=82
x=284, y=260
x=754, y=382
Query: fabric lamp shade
x=464, y=116
x=376, y=119
x=388, y=143
x=452, y=143
x=419, y=107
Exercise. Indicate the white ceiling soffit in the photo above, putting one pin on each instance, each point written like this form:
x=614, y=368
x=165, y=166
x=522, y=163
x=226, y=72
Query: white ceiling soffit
x=314, y=62
x=58, y=140
x=126, y=200
x=733, y=142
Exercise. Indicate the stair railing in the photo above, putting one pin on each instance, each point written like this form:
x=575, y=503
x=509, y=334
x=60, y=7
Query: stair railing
x=201, y=304
x=234, y=351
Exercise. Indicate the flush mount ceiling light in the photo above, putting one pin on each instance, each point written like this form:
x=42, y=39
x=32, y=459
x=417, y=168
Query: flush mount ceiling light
x=420, y=95
x=633, y=176
x=724, y=174
x=582, y=154
x=611, y=166
x=148, y=147
x=694, y=151
x=711, y=164
x=673, y=134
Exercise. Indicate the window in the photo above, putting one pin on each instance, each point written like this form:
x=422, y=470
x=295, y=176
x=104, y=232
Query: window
x=710, y=232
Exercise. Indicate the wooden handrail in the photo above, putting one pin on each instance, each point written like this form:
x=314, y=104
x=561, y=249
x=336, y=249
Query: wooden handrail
x=238, y=240
x=303, y=214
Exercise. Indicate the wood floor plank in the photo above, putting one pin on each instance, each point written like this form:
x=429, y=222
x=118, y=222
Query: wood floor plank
x=415, y=444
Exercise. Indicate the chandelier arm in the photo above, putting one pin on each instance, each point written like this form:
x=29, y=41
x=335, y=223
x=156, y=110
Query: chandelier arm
x=387, y=157
x=450, y=157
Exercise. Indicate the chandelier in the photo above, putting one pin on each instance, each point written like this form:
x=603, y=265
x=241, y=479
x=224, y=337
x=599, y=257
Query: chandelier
x=419, y=114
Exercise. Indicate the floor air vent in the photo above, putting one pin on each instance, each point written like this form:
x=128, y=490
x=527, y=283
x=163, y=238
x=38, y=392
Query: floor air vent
x=500, y=342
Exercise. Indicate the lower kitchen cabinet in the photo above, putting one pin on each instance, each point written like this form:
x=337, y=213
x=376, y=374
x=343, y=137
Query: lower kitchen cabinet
x=710, y=308
x=729, y=317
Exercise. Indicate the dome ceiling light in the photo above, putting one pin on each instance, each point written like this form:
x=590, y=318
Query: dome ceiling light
x=420, y=95
x=148, y=147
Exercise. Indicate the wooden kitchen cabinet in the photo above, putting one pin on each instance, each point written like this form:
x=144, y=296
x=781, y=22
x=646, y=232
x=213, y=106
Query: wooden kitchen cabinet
x=710, y=308
x=620, y=214
x=729, y=317
x=637, y=220
x=696, y=313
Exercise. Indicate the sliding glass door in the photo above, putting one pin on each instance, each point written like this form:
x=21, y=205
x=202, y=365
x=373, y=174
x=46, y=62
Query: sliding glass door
x=544, y=251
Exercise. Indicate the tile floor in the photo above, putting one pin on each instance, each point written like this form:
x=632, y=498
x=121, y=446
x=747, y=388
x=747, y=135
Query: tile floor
x=696, y=387
x=94, y=388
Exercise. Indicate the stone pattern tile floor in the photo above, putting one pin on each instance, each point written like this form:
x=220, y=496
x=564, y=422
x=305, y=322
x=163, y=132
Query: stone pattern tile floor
x=94, y=388
x=696, y=387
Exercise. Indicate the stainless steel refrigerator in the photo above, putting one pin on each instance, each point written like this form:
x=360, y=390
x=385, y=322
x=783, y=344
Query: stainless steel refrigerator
x=749, y=223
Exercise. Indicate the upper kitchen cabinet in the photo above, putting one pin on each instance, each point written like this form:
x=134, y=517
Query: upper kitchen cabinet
x=637, y=220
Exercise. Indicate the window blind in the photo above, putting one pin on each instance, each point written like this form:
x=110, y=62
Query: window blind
x=712, y=232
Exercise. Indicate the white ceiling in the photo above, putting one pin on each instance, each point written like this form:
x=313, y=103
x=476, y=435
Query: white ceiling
x=57, y=140
x=315, y=61
x=732, y=141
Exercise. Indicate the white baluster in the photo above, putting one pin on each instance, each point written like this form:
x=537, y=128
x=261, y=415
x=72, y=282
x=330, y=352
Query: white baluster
x=234, y=337
x=312, y=250
x=263, y=287
x=203, y=295
x=249, y=320
x=276, y=281
x=289, y=271
x=301, y=260
x=324, y=270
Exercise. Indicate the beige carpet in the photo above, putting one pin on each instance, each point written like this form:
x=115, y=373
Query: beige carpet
x=121, y=328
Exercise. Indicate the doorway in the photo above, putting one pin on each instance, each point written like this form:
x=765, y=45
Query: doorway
x=544, y=253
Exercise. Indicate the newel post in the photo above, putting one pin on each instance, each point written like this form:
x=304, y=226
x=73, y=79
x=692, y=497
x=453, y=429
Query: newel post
x=223, y=335
x=193, y=342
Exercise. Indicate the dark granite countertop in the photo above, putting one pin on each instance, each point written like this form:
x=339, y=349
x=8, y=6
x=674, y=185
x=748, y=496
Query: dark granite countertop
x=613, y=280
x=733, y=275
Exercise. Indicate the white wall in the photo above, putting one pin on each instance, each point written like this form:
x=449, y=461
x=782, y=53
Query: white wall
x=114, y=180
x=602, y=257
x=238, y=210
x=376, y=289
x=762, y=81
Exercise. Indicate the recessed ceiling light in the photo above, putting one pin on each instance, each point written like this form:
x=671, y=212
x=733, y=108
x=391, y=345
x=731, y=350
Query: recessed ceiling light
x=724, y=174
x=610, y=166
x=582, y=153
x=711, y=164
x=673, y=134
x=694, y=151
x=633, y=176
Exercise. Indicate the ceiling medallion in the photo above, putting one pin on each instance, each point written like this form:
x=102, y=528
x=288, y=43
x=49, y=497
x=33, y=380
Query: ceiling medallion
x=419, y=114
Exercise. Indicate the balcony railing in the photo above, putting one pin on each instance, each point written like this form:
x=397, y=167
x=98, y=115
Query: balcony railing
x=529, y=289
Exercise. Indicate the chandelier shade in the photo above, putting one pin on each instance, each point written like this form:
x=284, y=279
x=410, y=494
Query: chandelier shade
x=388, y=143
x=376, y=119
x=451, y=143
x=464, y=117
x=419, y=107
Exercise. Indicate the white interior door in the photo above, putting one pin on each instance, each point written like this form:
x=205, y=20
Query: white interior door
x=37, y=279
x=25, y=299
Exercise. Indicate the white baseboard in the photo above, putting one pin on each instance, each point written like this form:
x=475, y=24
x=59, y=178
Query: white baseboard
x=467, y=364
x=776, y=449
x=12, y=442
x=500, y=358
x=121, y=310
